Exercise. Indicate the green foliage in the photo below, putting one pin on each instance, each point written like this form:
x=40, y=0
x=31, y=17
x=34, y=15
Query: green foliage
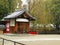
x=40, y=10
x=6, y=7
x=55, y=11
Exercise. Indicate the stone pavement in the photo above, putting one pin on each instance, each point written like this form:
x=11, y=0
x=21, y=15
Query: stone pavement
x=32, y=39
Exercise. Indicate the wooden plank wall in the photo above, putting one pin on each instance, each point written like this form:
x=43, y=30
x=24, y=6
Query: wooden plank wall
x=24, y=26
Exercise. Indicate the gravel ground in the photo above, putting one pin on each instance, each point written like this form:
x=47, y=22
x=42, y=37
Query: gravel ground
x=31, y=39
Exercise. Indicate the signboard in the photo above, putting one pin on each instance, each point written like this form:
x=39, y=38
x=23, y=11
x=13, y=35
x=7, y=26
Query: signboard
x=22, y=20
x=12, y=22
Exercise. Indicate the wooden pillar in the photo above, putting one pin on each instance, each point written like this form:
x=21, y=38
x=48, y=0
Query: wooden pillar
x=28, y=27
x=16, y=27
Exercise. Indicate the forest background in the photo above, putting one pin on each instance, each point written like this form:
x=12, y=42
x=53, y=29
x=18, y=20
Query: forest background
x=46, y=12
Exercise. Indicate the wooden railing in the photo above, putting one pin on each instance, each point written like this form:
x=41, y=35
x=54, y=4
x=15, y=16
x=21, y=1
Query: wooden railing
x=15, y=43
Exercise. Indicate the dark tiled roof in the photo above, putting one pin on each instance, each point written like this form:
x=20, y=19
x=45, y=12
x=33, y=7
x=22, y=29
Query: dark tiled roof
x=18, y=13
x=15, y=14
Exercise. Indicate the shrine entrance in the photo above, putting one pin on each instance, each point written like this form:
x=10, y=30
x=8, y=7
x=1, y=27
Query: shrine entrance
x=22, y=27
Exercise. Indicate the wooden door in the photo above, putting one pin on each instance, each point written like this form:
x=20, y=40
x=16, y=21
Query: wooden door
x=22, y=27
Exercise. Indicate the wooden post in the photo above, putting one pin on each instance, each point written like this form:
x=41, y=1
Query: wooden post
x=3, y=42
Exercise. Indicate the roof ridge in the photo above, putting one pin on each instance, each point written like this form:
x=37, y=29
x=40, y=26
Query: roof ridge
x=19, y=10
